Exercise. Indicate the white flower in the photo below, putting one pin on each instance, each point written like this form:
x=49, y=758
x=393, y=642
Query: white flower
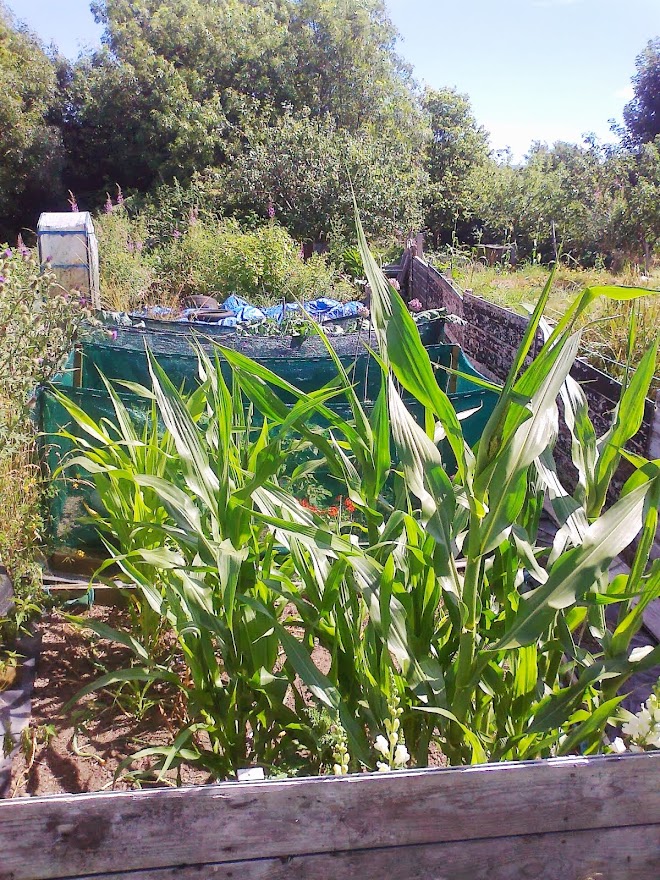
x=401, y=756
x=618, y=746
x=383, y=768
x=638, y=654
x=381, y=745
x=337, y=770
x=639, y=726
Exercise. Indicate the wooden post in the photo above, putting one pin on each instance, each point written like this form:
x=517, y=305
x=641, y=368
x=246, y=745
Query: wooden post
x=654, y=432
x=6, y=591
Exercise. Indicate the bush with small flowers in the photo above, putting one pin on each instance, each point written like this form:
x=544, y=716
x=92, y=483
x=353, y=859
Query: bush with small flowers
x=37, y=327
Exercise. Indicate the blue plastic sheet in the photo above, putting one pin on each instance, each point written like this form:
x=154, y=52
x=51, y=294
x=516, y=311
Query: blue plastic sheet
x=322, y=310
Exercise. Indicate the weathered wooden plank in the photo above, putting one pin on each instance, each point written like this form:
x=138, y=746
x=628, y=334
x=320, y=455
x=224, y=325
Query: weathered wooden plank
x=606, y=854
x=104, y=595
x=85, y=834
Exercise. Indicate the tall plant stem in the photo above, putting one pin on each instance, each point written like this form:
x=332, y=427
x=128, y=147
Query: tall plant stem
x=467, y=641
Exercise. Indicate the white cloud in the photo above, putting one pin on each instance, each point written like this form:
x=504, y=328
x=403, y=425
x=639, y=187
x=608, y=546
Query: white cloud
x=627, y=93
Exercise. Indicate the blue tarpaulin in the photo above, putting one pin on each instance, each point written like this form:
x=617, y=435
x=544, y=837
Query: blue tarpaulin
x=322, y=310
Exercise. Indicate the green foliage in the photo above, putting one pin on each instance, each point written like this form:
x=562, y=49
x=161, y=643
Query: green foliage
x=434, y=612
x=187, y=113
x=560, y=198
x=127, y=273
x=180, y=88
x=303, y=166
x=263, y=265
x=636, y=213
x=456, y=146
x=642, y=114
x=38, y=322
x=30, y=146
x=37, y=326
x=203, y=255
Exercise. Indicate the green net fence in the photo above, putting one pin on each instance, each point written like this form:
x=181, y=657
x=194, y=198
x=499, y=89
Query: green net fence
x=123, y=358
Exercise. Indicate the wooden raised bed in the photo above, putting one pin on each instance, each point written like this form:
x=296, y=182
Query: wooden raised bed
x=562, y=819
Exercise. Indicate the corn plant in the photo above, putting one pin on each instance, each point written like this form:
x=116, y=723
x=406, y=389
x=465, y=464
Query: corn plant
x=437, y=598
x=450, y=588
x=177, y=498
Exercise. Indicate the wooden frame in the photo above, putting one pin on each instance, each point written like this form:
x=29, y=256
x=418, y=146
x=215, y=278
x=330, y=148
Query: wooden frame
x=561, y=819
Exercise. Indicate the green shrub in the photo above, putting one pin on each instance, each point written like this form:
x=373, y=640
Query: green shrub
x=147, y=263
x=38, y=323
x=127, y=274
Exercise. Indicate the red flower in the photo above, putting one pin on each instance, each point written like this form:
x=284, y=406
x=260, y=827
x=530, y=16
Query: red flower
x=348, y=504
x=333, y=511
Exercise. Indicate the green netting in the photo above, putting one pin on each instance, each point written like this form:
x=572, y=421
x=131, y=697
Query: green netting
x=71, y=491
x=125, y=359
x=129, y=363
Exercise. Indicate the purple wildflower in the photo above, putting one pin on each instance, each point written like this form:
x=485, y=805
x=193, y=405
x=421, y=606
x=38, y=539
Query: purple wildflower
x=415, y=305
x=138, y=246
x=20, y=244
x=8, y=252
x=120, y=195
x=73, y=202
x=176, y=234
x=193, y=216
x=271, y=209
x=2, y=279
x=107, y=207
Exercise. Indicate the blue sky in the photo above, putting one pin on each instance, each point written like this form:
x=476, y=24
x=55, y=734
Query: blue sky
x=534, y=69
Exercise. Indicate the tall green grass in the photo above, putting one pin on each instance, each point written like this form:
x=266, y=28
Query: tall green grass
x=435, y=597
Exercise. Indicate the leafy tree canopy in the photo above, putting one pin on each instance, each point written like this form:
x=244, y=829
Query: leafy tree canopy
x=179, y=80
x=303, y=167
x=457, y=144
x=642, y=114
x=30, y=146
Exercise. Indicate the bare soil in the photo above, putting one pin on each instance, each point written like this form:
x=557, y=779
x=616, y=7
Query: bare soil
x=81, y=748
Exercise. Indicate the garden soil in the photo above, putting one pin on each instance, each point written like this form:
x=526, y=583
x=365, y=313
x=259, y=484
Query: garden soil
x=81, y=748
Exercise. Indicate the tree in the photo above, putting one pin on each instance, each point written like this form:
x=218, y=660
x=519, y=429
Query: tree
x=457, y=145
x=642, y=114
x=302, y=167
x=560, y=196
x=181, y=84
x=30, y=146
x=636, y=220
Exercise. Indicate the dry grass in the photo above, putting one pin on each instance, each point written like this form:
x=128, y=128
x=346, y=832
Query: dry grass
x=605, y=338
x=20, y=518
